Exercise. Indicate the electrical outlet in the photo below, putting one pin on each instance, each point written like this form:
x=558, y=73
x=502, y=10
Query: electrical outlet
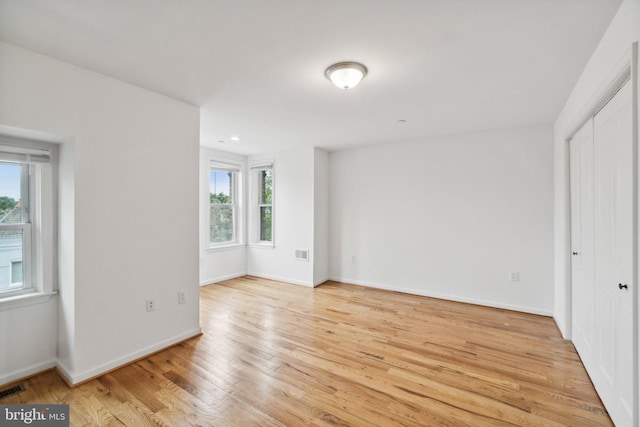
x=353, y=259
x=151, y=305
x=514, y=276
x=182, y=297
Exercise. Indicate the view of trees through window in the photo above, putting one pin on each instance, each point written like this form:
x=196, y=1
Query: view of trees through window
x=266, y=205
x=222, y=206
x=6, y=205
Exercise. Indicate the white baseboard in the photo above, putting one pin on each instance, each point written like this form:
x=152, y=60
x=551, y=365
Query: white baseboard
x=565, y=334
x=320, y=281
x=75, y=378
x=64, y=371
x=282, y=279
x=449, y=297
x=264, y=276
x=6, y=378
x=222, y=278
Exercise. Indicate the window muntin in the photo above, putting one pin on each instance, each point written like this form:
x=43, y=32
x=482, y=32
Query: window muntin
x=223, y=205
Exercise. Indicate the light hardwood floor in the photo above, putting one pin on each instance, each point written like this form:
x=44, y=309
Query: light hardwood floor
x=276, y=354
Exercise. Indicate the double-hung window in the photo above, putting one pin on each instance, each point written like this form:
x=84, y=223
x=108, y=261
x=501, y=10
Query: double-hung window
x=263, y=209
x=224, y=211
x=15, y=226
x=26, y=211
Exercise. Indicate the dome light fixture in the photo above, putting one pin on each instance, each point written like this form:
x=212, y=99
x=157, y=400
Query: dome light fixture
x=346, y=75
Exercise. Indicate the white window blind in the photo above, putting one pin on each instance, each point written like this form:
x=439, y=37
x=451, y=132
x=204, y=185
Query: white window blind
x=262, y=166
x=13, y=154
x=223, y=166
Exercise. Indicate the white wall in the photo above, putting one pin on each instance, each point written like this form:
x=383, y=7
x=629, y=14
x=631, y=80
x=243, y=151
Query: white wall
x=27, y=339
x=66, y=335
x=220, y=263
x=449, y=217
x=612, y=50
x=320, y=217
x=294, y=219
x=127, y=211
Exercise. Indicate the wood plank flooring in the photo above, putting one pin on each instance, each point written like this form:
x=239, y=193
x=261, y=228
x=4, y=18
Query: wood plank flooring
x=275, y=354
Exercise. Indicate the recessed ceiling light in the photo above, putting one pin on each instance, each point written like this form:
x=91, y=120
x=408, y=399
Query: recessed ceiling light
x=221, y=141
x=235, y=138
x=346, y=75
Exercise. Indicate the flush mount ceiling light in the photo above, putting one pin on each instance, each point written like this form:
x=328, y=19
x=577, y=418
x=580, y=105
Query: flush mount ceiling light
x=346, y=75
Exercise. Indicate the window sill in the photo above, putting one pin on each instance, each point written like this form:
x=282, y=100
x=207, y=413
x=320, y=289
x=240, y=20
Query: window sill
x=262, y=245
x=23, y=300
x=223, y=248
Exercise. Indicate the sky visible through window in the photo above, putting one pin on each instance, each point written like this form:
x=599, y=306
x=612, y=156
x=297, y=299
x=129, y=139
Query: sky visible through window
x=10, y=180
x=218, y=182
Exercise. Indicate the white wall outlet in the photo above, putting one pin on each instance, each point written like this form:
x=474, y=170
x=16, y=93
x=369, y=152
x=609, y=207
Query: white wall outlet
x=353, y=259
x=182, y=297
x=514, y=276
x=151, y=305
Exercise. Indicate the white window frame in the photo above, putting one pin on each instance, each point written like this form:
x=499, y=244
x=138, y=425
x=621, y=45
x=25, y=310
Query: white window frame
x=255, y=217
x=39, y=210
x=216, y=164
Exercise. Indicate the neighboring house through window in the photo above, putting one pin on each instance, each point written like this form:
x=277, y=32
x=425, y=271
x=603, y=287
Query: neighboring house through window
x=17, y=272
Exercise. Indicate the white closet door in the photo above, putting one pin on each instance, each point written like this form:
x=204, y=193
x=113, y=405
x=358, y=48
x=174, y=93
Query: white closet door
x=614, y=290
x=582, y=242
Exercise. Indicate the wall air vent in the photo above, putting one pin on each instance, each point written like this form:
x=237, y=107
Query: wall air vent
x=302, y=255
x=10, y=391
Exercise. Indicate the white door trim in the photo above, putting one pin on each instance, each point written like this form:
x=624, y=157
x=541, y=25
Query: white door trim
x=627, y=68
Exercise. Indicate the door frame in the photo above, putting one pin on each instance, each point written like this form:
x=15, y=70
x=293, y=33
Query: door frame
x=625, y=69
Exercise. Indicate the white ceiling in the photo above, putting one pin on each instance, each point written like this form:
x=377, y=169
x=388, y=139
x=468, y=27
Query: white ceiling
x=256, y=67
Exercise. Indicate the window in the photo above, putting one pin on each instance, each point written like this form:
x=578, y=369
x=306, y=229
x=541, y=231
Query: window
x=15, y=226
x=26, y=216
x=265, y=185
x=224, y=215
x=17, y=272
x=262, y=183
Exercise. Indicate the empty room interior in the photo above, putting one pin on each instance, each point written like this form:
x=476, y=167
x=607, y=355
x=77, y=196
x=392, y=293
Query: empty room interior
x=297, y=212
